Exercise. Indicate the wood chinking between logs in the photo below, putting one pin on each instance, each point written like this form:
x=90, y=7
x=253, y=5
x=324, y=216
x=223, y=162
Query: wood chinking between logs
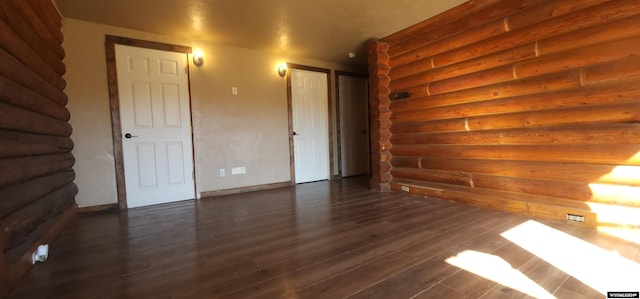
x=526, y=106
x=36, y=182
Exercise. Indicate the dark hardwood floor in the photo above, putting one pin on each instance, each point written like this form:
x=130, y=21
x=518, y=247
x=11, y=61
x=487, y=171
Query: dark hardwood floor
x=319, y=240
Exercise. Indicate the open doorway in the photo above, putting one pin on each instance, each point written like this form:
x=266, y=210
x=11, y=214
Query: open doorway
x=353, y=124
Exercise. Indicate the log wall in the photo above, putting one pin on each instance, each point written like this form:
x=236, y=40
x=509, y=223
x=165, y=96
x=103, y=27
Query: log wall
x=529, y=106
x=36, y=178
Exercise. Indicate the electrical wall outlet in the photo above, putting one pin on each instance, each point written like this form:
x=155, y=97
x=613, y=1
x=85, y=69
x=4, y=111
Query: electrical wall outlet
x=575, y=218
x=41, y=254
x=238, y=170
x=222, y=172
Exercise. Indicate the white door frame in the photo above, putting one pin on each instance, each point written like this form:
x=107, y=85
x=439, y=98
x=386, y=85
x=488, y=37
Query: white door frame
x=114, y=102
x=290, y=112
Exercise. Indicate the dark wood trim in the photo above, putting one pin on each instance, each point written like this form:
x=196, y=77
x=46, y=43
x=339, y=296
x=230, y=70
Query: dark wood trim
x=193, y=140
x=97, y=209
x=216, y=193
x=146, y=44
x=114, y=102
x=308, y=68
x=338, y=131
x=337, y=75
x=329, y=118
x=292, y=161
x=116, y=128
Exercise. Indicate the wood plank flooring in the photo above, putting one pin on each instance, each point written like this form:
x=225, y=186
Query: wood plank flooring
x=333, y=239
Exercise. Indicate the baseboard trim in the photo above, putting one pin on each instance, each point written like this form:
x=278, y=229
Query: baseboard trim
x=16, y=271
x=99, y=208
x=216, y=193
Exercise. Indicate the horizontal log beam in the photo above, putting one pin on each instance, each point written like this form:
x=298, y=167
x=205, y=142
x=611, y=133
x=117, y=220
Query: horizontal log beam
x=574, y=172
x=627, y=133
x=18, y=119
x=618, y=113
x=10, y=67
x=18, y=144
x=48, y=13
x=14, y=45
x=570, y=79
x=575, y=58
x=421, y=72
x=51, y=34
x=18, y=225
x=15, y=197
x=514, y=202
x=475, y=34
x=477, y=16
x=471, y=196
x=622, y=154
x=52, y=53
x=602, y=94
x=468, y=14
x=483, y=78
x=580, y=191
x=20, y=96
x=623, y=70
x=546, y=11
x=21, y=169
x=458, y=178
x=578, y=57
x=609, y=31
x=606, y=12
x=403, y=75
x=586, y=192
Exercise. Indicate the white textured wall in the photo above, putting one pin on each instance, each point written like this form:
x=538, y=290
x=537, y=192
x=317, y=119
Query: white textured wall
x=250, y=129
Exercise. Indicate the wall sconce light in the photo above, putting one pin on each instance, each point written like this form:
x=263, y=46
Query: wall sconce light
x=282, y=70
x=198, y=58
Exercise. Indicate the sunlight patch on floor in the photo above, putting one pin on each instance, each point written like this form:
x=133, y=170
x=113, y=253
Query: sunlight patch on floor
x=498, y=270
x=598, y=268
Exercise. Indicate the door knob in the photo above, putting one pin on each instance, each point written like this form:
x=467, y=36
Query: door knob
x=128, y=135
x=294, y=133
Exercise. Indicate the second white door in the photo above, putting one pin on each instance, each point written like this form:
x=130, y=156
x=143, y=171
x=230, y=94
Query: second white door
x=153, y=89
x=309, y=101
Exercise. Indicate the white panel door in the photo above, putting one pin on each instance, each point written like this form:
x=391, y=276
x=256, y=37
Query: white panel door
x=354, y=124
x=309, y=101
x=153, y=90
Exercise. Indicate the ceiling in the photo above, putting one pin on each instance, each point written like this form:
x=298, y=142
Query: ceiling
x=325, y=30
